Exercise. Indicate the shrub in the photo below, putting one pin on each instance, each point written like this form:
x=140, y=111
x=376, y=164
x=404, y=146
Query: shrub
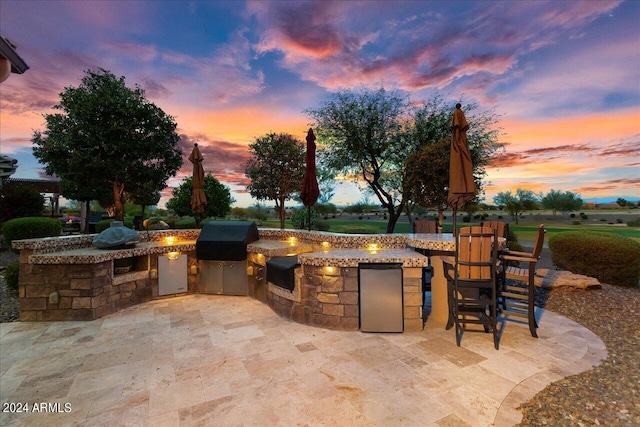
x=106, y=223
x=20, y=202
x=634, y=223
x=575, y=222
x=30, y=228
x=608, y=257
x=186, y=223
x=11, y=273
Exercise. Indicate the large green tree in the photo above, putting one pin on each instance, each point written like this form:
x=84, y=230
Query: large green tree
x=218, y=196
x=426, y=181
x=563, y=201
x=276, y=169
x=361, y=134
x=516, y=204
x=107, y=135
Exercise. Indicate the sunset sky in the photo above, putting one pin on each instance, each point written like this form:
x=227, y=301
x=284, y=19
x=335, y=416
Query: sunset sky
x=564, y=76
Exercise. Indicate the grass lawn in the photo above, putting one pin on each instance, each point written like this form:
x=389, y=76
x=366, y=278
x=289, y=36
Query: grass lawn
x=525, y=231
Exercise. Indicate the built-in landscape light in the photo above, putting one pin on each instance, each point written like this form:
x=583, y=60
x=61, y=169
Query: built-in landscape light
x=173, y=255
x=170, y=240
x=326, y=246
x=373, y=248
x=329, y=269
x=193, y=269
x=292, y=240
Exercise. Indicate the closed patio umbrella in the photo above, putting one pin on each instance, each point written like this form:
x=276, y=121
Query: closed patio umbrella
x=198, y=198
x=462, y=188
x=310, y=190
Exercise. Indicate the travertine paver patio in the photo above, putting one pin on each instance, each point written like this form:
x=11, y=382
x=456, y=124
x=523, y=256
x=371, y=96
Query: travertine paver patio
x=224, y=360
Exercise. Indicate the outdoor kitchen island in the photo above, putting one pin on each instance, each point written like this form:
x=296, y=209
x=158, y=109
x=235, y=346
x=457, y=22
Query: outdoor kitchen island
x=66, y=279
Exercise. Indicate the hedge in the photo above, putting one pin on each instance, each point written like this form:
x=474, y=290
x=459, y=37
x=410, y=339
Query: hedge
x=30, y=228
x=608, y=257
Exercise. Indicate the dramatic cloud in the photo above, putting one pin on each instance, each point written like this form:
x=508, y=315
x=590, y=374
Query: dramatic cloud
x=562, y=75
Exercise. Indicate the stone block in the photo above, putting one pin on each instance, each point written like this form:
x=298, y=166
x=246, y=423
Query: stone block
x=349, y=272
x=32, y=279
x=328, y=298
x=142, y=295
x=80, y=283
x=81, y=302
x=57, y=315
x=28, y=304
x=65, y=303
x=127, y=287
x=332, y=284
x=408, y=273
x=352, y=311
x=28, y=316
x=413, y=312
x=412, y=299
x=333, y=309
x=324, y=321
x=102, y=311
x=68, y=293
x=98, y=301
x=350, y=323
x=350, y=284
x=82, y=315
x=38, y=291
x=82, y=271
x=57, y=270
x=349, y=298
x=413, y=325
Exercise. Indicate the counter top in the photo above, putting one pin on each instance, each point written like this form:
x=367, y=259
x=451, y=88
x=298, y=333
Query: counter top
x=353, y=257
x=93, y=255
x=274, y=248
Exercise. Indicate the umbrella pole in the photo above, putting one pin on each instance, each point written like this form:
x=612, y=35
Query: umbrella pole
x=455, y=220
x=309, y=207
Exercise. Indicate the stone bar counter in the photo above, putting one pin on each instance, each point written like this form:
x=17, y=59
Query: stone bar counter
x=66, y=278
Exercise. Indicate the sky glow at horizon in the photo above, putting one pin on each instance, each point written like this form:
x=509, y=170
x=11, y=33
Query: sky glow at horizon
x=563, y=75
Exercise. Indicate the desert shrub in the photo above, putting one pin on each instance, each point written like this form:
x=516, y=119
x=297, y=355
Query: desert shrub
x=634, y=223
x=608, y=257
x=11, y=273
x=575, y=222
x=30, y=228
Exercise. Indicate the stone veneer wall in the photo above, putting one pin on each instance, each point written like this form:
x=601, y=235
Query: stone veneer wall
x=328, y=297
x=79, y=291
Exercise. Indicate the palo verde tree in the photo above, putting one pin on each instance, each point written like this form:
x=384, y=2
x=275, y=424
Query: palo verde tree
x=276, y=169
x=218, y=196
x=108, y=135
x=517, y=204
x=360, y=131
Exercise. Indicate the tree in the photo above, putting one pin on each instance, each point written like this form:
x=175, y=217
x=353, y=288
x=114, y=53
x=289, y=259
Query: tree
x=108, y=135
x=622, y=202
x=561, y=201
x=427, y=177
x=517, y=204
x=276, y=169
x=218, y=196
x=427, y=168
x=145, y=194
x=19, y=201
x=361, y=135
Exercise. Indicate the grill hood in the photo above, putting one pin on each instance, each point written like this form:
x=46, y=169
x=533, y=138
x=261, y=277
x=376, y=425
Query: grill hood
x=226, y=240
